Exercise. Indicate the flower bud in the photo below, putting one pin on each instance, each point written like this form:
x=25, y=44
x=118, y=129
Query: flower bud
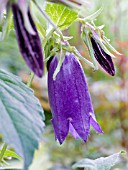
x=102, y=57
x=29, y=44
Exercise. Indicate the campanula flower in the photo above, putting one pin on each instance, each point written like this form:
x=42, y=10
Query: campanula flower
x=28, y=38
x=70, y=101
x=102, y=57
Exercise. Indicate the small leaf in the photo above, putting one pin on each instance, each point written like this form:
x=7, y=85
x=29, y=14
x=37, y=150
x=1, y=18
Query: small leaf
x=12, y=154
x=62, y=16
x=103, y=163
x=21, y=117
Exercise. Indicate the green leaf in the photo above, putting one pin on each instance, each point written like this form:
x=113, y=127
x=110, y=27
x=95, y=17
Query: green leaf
x=101, y=163
x=21, y=116
x=12, y=154
x=61, y=15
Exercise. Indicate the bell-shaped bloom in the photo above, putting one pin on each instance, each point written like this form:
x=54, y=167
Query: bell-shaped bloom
x=28, y=38
x=102, y=57
x=70, y=101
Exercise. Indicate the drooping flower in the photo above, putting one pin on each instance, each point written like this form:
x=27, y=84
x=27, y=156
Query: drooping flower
x=103, y=58
x=99, y=47
x=27, y=36
x=70, y=100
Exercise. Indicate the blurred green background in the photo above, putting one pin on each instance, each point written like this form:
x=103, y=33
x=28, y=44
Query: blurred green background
x=109, y=94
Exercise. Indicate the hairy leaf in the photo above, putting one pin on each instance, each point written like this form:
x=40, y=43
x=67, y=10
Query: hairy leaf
x=62, y=16
x=21, y=117
x=101, y=163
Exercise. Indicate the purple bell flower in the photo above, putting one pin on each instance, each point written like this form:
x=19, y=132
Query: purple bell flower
x=70, y=101
x=28, y=38
x=102, y=57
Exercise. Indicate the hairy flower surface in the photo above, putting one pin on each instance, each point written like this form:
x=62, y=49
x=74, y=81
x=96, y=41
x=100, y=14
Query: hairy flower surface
x=29, y=41
x=103, y=58
x=70, y=100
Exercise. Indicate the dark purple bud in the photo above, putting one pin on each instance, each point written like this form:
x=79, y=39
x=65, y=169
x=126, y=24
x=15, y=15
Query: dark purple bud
x=70, y=100
x=103, y=58
x=29, y=44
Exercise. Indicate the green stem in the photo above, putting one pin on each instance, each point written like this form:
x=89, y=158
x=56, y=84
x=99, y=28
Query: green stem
x=81, y=20
x=3, y=151
x=76, y=52
x=30, y=79
x=48, y=36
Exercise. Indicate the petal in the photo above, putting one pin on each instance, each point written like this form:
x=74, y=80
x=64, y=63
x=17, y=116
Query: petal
x=73, y=131
x=94, y=123
x=82, y=127
x=103, y=58
x=61, y=130
x=30, y=45
x=59, y=121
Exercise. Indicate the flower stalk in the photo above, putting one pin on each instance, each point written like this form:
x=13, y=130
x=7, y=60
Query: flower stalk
x=3, y=151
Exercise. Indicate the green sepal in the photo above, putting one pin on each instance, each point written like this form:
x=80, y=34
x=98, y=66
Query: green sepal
x=50, y=44
x=102, y=44
x=77, y=53
x=87, y=41
x=94, y=15
x=106, y=41
x=7, y=25
x=60, y=58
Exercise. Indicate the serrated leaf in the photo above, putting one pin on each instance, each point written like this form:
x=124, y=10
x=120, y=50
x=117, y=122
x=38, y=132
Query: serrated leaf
x=21, y=116
x=103, y=163
x=61, y=15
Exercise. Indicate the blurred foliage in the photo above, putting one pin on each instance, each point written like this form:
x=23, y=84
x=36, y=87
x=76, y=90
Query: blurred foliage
x=10, y=58
x=109, y=94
